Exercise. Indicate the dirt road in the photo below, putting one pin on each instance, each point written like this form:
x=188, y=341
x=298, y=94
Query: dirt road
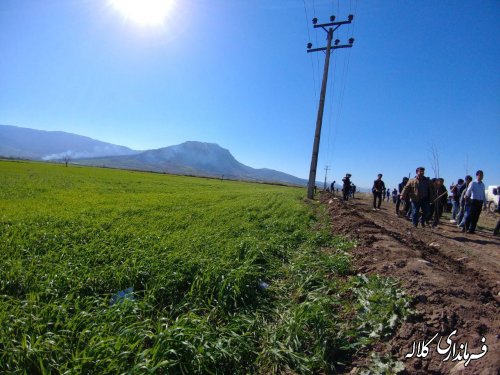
x=454, y=280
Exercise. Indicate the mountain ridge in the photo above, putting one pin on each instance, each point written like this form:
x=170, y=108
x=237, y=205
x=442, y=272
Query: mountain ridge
x=194, y=158
x=16, y=141
x=188, y=158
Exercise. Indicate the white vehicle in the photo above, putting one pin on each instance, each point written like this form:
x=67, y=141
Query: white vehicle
x=493, y=198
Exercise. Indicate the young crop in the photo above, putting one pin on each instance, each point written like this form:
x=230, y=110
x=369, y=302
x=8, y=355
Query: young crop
x=106, y=271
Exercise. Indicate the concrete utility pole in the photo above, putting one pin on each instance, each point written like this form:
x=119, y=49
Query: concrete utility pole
x=332, y=26
x=326, y=174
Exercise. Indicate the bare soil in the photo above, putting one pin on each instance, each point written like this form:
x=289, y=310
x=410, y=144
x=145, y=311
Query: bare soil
x=452, y=277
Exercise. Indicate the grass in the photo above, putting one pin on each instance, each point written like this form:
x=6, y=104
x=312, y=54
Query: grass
x=227, y=277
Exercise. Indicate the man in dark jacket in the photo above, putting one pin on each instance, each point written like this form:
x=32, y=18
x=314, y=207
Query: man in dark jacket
x=346, y=186
x=440, y=200
x=464, y=207
x=377, y=190
x=419, y=190
x=455, y=191
x=398, y=200
x=431, y=202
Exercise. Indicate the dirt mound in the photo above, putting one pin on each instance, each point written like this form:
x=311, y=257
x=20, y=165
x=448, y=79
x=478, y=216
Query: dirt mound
x=454, y=281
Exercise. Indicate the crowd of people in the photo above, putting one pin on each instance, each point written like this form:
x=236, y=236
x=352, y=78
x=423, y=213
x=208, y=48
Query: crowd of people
x=422, y=200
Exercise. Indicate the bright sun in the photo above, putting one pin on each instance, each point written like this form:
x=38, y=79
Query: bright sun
x=144, y=12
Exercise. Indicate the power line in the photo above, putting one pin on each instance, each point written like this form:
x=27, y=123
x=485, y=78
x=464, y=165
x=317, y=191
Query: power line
x=343, y=81
x=330, y=116
x=336, y=104
x=311, y=59
x=316, y=39
x=340, y=96
x=332, y=90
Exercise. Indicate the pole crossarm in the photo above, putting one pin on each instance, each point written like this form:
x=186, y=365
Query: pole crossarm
x=323, y=25
x=333, y=47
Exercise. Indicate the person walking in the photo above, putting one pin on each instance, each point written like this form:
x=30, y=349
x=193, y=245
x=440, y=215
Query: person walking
x=377, y=190
x=476, y=195
x=440, y=200
x=431, y=203
x=461, y=202
x=388, y=194
x=346, y=186
x=419, y=190
x=455, y=199
x=394, y=196
x=398, y=201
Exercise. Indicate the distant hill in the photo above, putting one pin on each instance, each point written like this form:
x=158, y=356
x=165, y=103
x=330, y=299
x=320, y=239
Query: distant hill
x=194, y=158
x=189, y=158
x=52, y=145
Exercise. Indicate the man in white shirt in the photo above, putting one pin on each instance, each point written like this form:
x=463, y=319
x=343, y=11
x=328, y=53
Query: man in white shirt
x=476, y=194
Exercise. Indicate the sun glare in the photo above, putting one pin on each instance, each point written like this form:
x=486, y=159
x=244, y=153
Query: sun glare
x=144, y=12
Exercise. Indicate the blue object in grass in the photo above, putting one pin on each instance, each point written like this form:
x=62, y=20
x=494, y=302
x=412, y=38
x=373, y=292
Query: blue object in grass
x=263, y=285
x=122, y=295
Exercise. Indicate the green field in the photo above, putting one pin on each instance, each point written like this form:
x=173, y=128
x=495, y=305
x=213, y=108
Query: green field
x=227, y=277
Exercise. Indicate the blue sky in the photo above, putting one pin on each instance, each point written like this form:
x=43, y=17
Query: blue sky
x=236, y=73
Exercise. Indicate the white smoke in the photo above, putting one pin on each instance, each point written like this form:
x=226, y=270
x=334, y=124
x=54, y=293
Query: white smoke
x=71, y=154
x=95, y=152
